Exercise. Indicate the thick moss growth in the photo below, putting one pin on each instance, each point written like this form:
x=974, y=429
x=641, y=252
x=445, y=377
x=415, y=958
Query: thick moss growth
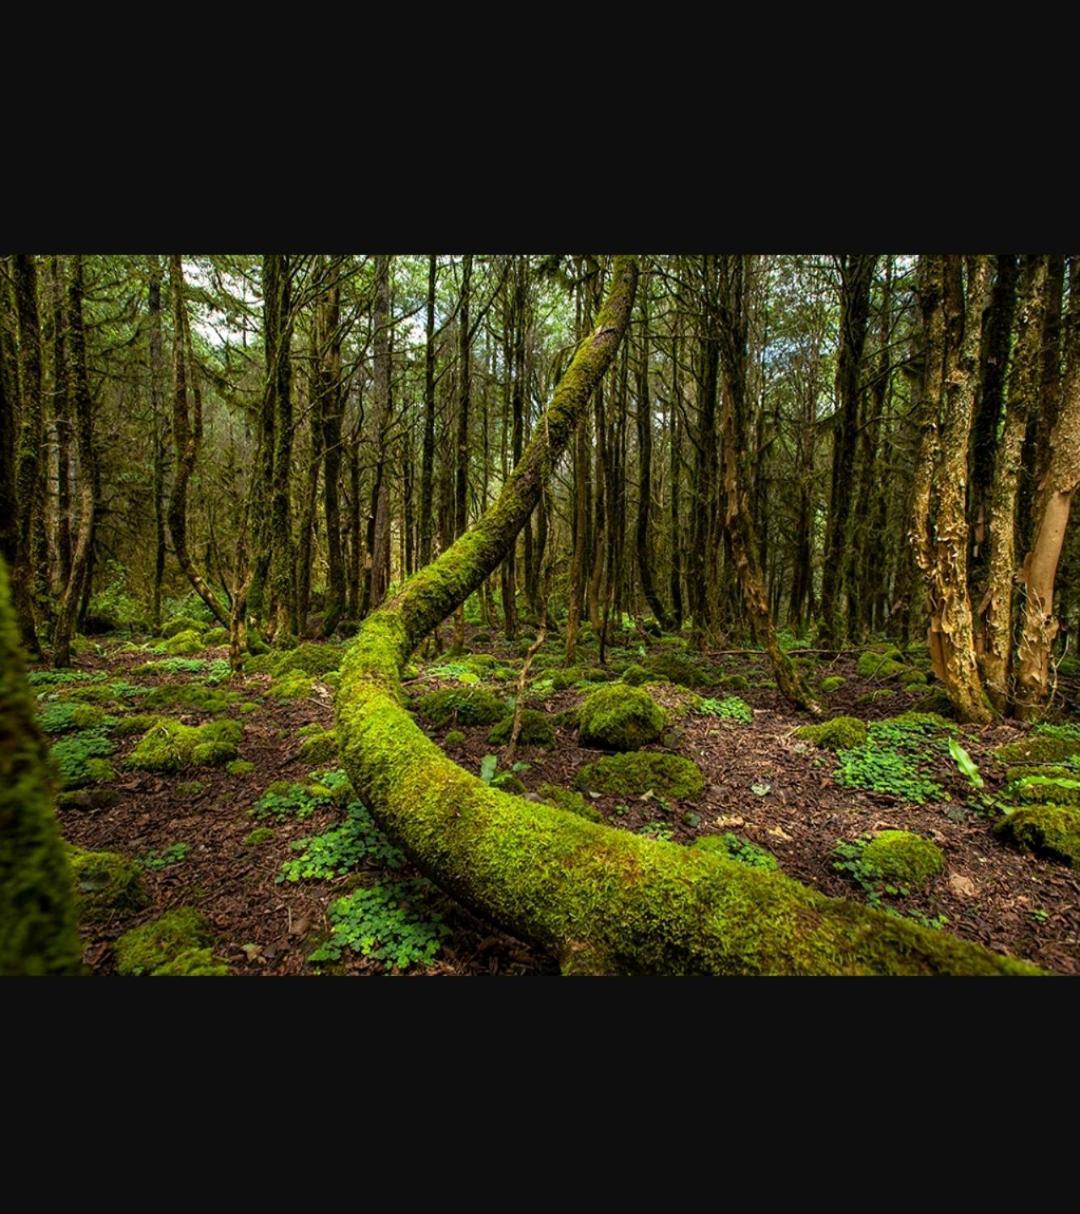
x=841, y=733
x=635, y=675
x=536, y=730
x=215, y=636
x=902, y=857
x=170, y=746
x=571, y=676
x=508, y=782
x=61, y=716
x=175, y=944
x=884, y=665
x=261, y=834
x=642, y=771
x=1053, y=771
x=735, y=682
x=181, y=623
x=106, y=884
x=572, y=802
x=292, y=686
x=454, y=737
x=1044, y=790
x=619, y=718
x=737, y=847
x=913, y=680
x=1038, y=748
x=310, y=658
x=320, y=747
x=37, y=899
x=184, y=644
x=677, y=668
x=461, y=706
x=138, y=722
x=833, y=683
x=1049, y=830
x=190, y=697
x=239, y=767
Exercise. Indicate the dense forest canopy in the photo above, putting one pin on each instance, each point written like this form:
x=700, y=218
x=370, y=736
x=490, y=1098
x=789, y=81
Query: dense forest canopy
x=783, y=459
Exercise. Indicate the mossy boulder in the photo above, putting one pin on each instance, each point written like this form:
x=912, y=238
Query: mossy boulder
x=215, y=636
x=310, y=658
x=175, y=944
x=1038, y=748
x=461, y=706
x=295, y=685
x=571, y=676
x=619, y=718
x=572, y=802
x=886, y=664
x=630, y=775
x=536, y=730
x=106, y=884
x=841, y=733
x=181, y=623
x=1045, y=790
x=735, y=682
x=170, y=746
x=454, y=737
x=184, y=644
x=190, y=697
x=833, y=683
x=904, y=858
x=677, y=668
x=913, y=680
x=1047, y=830
x=319, y=747
x=1052, y=771
x=635, y=675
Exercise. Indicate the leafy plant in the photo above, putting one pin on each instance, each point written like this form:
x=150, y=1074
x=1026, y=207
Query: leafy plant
x=966, y=764
x=657, y=830
x=80, y=756
x=389, y=923
x=488, y=764
x=282, y=800
x=173, y=854
x=730, y=708
x=341, y=848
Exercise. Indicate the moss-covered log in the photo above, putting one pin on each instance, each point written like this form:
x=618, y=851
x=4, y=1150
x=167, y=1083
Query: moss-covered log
x=37, y=901
x=602, y=899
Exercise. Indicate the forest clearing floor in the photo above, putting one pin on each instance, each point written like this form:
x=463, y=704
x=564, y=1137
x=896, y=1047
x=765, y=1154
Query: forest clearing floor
x=762, y=784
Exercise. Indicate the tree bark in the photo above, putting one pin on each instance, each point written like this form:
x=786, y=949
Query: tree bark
x=157, y=379
x=644, y=437
x=29, y=449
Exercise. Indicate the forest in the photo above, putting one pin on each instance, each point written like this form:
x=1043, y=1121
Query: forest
x=539, y=614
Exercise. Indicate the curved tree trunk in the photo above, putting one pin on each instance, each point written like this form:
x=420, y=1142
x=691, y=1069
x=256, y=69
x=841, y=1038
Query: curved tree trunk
x=604, y=900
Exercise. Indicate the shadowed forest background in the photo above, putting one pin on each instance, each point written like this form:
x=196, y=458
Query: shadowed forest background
x=783, y=599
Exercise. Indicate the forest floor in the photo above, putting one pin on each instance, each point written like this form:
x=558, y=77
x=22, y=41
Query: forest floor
x=763, y=785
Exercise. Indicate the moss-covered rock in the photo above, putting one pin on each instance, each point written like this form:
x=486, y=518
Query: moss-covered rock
x=174, y=944
x=181, y=623
x=320, y=747
x=213, y=637
x=572, y=802
x=635, y=675
x=1052, y=771
x=295, y=685
x=737, y=847
x=571, y=676
x=1045, y=790
x=184, y=644
x=886, y=664
x=832, y=683
x=461, y=706
x=239, y=767
x=1047, y=830
x=735, y=682
x=913, y=680
x=310, y=658
x=536, y=730
x=170, y=746
x=454, y=737
x=620, y=718
x=902, y=857
x=260, y=835
x=677, y=668
x=1038, y=748
x=137, y=722
x=190, y=697
x=841, y=733
x=106, y=884
x=506, y=781
x=642, y=771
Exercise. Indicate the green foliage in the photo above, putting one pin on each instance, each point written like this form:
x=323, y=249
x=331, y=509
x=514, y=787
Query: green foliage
x=887, y=664
x=841, y=733
x=1045, y=790
x=488, y=766
x=190, y=697
x=572, y=802
x=183, y=644
x=213, y=671
x=175, y=853
x=635, y=675
x=320, y=747
x=464, y=706
x=181, y=623
x=261, y=834
x=643, y=771
x=106, y=884
x=176, y=944
x=78, y=757
x=62, y=716
x=657, y=830
x=341, y=848
x=296, y=685
x=1048, y=830
x=677, y=668
x=536, y=730
x=113, y=693
x=333, y=783
x=902, y=857
x=506, y=781
x=63, y=678
x=735, y=682
x=239, y=767
x=574, y=676
x=1038, y=748
x=114, y=603
x=731, y=708
x=736, y=847
x=283, y=800
x=966, y=763
x=850, y=859
x=453, y=738
x=310, y=658
x=170, y=746
x=832, y=683
x=618, y=718
x=389, y=923
x=895, y=756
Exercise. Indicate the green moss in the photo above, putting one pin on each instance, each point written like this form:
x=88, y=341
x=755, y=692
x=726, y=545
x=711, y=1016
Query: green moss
x=61, y=716
x=902, y=857
x=181, y=623
x=536, y=730
x=572, y=676
x=735, y=682
x=1046, y=790
x=174, y=944
x=454, y=737
x=190, y=788
x=619, y=718
x=841, y=733
x=875, y=696
x=642, y=771
x=106, y=884
x=736, y=847
x=320, y=747
x=171, y=746
x=261, y=834
x=884, y=665
x=635, y=675
x=572, y=802
x=292, y=686
x=508, y=782
x=215, y=636
x=833, y=683
x=1038, y=748
x=1049, y=830
x=913, y=680
x=239, y=767
x=184, y=644
x=190, y=697
x=137, y=722
x=461, y=706
x=310, y=658
x=677, y=668
x=1052, y=771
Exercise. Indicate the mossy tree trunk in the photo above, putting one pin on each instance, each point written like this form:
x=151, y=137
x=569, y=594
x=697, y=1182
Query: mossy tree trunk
x=28, y=453
x=62, y=421
x=277, y=302
x=603, y=900
x=427, y=456
x=379, y=517
x=330, y=405
x=1054, y=502
x=157, y=379
x=37, y=900
x=644, y=437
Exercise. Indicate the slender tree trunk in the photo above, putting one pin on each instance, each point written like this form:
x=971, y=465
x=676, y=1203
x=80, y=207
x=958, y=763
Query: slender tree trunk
x=330, y=414
x=62, y=413
x=644, y=437
x=277, y=303
x=379, y=545
x=29, y=448
x=427, y=457
x=157, y=380
x=675, y=473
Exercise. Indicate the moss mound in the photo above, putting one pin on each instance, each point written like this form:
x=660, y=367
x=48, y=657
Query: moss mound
x=571, y=676
x=572, y=802
x=184, y=644
x=886, y=664
x=239, y=767
x=1044, y=790
x=170, y=746
x=635, y=675
x=643, y=771
x=261, y=834
x=1054, y=771
x=677, y=668
x=735, y=682
x=1047, y=830
x=190, y=697
x=106, y=884
x=902, y=857
x=310, y=658
x=319, y=747
x=536, y=730
x=841, y=733
x=175, y=944
x=181, y=623
x=619, y=718
x=454, y=737
x=461, y=706
x=833, y=683
x=737, y=847
x=215, y=636
x=292, y=686
x=1038, y=748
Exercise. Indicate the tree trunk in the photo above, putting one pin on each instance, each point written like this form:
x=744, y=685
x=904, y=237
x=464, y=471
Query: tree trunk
x=157, y=379
x=277, y=303
x=330, y=414
x=62, y=414
x=427, y=457
x=29, y=449
x=644, y=437
x=379, y=549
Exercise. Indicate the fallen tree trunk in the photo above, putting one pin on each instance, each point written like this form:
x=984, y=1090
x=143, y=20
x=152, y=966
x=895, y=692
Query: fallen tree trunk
x=603, y=900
